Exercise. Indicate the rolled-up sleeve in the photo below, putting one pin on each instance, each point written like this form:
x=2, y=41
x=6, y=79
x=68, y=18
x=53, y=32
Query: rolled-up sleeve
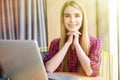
x=95, y=55
x=53, y=49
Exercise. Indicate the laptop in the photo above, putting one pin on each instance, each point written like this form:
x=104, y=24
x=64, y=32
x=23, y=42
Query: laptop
x=22, y=60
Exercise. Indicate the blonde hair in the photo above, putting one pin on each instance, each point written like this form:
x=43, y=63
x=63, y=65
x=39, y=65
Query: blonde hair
x=84, y=39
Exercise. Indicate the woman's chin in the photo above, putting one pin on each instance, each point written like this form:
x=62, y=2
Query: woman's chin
x=73, y=30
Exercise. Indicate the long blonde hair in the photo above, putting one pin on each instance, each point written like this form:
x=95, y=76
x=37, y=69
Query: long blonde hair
x=84, y=39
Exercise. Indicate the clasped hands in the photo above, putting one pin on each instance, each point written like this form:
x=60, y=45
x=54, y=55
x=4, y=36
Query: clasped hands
x=73, y=37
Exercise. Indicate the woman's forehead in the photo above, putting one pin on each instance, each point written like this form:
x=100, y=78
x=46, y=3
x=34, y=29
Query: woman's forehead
x=71, y=9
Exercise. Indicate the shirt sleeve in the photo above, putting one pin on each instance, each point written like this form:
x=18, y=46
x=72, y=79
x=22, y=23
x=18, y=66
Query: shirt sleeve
x=53, y=49
x=95, y=55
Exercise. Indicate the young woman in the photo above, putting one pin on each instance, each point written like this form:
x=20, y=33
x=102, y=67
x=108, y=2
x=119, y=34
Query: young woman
x=75, y=49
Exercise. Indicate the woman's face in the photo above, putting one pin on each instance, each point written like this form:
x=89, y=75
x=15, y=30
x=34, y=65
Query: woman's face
x=72, y=18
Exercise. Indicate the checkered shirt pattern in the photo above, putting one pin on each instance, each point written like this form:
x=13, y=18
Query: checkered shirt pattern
x=94, y=55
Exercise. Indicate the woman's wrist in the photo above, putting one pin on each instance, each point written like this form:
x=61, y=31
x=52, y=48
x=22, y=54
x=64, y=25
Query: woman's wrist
x=67, y=44
x=76, y=44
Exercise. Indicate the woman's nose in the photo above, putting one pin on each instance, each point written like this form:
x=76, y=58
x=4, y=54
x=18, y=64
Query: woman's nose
x=72, y=19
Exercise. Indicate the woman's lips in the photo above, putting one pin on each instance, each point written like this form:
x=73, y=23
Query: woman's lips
x=72, y=25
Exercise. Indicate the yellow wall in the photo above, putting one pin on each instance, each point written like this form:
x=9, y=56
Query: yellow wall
x=53, y=17
x=103, y=23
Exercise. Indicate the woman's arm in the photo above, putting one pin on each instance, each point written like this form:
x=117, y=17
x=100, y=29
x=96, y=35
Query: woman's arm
x=84, y=60
x=95, y=54
x=55, y=61
x=90, y=63
x=82, y=57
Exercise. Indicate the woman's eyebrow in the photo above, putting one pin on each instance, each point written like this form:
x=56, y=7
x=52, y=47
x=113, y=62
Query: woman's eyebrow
x=66, y=13
x=70, y=13
x=78, y=14
x=74, y=14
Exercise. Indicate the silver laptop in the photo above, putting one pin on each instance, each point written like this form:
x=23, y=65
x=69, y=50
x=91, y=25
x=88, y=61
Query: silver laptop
x=21, y=60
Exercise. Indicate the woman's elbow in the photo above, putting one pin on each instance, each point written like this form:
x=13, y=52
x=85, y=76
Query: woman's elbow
x=89, y=73
x=49, y=69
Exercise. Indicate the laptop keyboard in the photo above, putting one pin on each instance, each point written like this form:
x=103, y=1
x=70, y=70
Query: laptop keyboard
x=53, y=76
x=51, y=79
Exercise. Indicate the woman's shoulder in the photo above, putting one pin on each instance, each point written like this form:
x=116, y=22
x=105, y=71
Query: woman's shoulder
x=95, y=45
x=54, y=45
x=55, y=41
x=94, y=40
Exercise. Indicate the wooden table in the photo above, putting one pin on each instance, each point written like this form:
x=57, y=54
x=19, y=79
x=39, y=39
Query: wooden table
x=83, y=77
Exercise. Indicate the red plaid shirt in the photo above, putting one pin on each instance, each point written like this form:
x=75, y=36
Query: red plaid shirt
x=94, y=55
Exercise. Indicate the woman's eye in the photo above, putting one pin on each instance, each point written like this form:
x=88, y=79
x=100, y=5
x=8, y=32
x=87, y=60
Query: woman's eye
x=77, y=15
x=67, y=15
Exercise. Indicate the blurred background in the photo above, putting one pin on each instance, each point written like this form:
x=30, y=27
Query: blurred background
x=103, y=22
x=40, y=20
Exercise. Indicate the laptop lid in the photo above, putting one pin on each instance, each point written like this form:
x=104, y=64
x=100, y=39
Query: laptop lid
x=21, y=60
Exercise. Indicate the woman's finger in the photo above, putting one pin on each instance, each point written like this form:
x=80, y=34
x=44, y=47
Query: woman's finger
x=74, y=33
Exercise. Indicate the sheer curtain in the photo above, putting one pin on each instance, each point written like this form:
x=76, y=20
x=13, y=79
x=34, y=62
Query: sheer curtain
x=23, y=20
